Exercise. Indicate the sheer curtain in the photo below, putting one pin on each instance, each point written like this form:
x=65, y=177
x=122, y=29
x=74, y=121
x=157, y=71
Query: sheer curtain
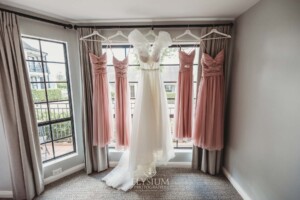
x=17, y=111
x=96, y=158
x=210, y=161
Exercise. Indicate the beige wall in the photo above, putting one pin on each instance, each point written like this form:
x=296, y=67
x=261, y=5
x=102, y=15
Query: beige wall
x=5, y=180
x=263, y=150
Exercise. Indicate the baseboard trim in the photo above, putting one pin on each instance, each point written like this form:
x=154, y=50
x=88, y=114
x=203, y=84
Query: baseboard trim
x=64, y=174
x=169, y=164
x=6, y=194
x=236, y=185
x=178, y=164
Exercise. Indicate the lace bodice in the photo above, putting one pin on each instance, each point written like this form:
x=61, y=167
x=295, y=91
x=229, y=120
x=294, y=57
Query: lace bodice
x=149, y=60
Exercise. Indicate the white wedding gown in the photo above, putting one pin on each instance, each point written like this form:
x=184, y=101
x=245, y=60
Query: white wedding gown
x=150, y=139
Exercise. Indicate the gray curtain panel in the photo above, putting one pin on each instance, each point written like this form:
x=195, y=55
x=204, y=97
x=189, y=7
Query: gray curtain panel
x=210, y=161
x=17, y=111
x=96, y=158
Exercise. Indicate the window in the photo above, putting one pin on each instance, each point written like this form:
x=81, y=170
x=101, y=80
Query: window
x=33, y=80
x=47, y=66
x=170, y=88
x=132, y=91
x=170, y=68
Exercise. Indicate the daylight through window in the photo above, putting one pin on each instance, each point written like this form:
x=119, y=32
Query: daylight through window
x=47, y=66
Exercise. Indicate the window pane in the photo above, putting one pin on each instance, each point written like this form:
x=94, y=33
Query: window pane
x=46, y=151
x=195, y=73
x=170, y=73
x=170, y=56
x=34, y=69
x=55, y=72
x=41, y=112
x=119, y=53
x=112, y=88
x=44, y=134
x=133, y=74
x=63, y=146
x=133, y=58
x=196, y=61
x=111, y=74
x=61, y=130
x=57, y=91
x=59, y=110
x=109, y=55
x=53, y=51
x=48, y=75
x=132, y=91
x=31, y=49
x=38, y=94
x=185, y=143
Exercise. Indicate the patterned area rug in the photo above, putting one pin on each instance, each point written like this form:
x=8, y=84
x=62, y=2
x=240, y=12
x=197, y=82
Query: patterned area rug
x=169, y=183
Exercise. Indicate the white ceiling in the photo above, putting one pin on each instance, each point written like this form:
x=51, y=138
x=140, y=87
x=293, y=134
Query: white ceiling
x=85, y=11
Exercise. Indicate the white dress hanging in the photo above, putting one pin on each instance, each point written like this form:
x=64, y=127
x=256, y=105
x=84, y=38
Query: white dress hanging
x=151, y=141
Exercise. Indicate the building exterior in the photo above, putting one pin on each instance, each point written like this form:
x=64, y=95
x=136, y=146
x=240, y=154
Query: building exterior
x=35, y=69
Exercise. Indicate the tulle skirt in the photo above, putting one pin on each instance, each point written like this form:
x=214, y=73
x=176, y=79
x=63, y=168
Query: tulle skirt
x=150, y=141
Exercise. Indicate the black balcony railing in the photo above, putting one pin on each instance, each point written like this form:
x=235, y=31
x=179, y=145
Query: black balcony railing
x=61, y=110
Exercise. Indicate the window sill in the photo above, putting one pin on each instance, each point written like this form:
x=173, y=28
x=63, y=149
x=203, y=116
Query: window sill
x=181, y=155
x=186, y=150
x=52, y=162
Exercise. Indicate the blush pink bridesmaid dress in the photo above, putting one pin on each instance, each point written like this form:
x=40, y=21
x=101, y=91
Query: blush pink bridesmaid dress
x=122, y=106
x=102, y=116
x=209, y=113
x=184, y=97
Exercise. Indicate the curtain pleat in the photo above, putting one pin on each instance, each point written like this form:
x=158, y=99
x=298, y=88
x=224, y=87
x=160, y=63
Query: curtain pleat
x=202, y=159
x=96, y=158
x=17, y=111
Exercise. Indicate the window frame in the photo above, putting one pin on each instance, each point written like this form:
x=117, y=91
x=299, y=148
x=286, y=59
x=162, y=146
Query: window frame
x=46, y=83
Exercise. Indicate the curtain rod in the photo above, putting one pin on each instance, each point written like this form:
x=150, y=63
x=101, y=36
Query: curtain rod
x=154, y=26
x=70, y=26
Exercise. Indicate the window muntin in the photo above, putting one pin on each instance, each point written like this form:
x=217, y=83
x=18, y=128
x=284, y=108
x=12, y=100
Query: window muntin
x=47, y=66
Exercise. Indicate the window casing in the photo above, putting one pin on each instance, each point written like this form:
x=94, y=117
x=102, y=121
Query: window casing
x=48, y=71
